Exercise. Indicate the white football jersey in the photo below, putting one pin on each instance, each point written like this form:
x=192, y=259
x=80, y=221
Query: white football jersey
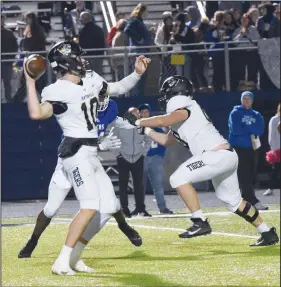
x=197, y=132
x=79, y=104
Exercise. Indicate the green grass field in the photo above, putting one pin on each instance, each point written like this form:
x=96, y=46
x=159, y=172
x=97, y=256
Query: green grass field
x=164, y=259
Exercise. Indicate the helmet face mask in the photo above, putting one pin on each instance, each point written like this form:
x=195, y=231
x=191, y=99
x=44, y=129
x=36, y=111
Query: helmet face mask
x=103, y=103
x=66, y=57
x=173, y=86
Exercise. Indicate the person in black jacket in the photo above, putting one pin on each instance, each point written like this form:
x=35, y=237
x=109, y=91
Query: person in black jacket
x=33, y=41
x=183, y=34
x=92, y=37
x=8, y=45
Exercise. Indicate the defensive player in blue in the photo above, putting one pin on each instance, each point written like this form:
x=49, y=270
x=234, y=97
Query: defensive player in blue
x=60, y=186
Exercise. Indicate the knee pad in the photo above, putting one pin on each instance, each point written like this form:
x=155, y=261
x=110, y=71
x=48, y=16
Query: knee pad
x=249, y=213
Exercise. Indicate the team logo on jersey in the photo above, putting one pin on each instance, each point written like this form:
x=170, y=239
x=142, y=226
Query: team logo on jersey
x=195, y=165
x=77, y=177
x=172, y=82
x=65, y=49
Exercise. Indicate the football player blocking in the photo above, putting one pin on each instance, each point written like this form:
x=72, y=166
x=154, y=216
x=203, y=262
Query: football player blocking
x=213, y=158
x=74, y=99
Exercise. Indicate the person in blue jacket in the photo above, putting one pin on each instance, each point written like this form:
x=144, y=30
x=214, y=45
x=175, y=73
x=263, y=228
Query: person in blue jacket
x=243, y=123
x=154, y=165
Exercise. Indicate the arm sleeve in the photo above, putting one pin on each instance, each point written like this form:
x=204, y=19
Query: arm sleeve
x=236, y=126
x=259, y=26
x=159, y=38
x=112, y=111
x=255, y=34
x=111, y=35
x=133, y=31
x=236, y=36
x=14, y=43
x=270, y=134
x=258, y=127
x=123, y=86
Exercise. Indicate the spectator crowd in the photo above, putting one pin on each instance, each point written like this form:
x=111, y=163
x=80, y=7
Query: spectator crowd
x=229, y=22
x=186, y=26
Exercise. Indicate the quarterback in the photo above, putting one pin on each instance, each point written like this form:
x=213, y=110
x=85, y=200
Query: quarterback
x=60, y=186
x=73, y=99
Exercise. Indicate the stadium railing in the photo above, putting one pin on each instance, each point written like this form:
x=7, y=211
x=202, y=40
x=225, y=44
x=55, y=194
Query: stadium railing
x=121, y=61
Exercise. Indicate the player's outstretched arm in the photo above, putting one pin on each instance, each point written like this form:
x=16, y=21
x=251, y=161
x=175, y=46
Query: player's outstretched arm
x=36, y=110
x=121, y=124
x=159, y=121
x=162, y=139
x=126, y=84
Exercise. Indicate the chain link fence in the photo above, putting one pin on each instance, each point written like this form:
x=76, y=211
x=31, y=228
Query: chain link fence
x=232, y=68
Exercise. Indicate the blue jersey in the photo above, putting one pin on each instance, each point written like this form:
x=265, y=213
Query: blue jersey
x=155, y=148
x=105, y=118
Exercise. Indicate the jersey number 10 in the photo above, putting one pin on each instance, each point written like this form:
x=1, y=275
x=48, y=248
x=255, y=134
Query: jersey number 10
x=90, y=113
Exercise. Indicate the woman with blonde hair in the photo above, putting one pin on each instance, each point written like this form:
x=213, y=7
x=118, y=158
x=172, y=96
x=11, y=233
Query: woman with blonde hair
x=273, y=156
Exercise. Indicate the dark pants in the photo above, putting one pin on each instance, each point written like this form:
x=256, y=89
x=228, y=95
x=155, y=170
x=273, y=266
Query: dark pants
x=136, y=169
x=247, y=60
x=166, y=69
x=197, y=71
x=274, y=180
x=246, y=174
x=219, y=72
x=6, y=76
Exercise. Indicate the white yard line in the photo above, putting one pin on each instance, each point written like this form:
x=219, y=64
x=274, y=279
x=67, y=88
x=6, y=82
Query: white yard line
x=68, y=220
x=179, y=215
x=222, y=213
x=182, y=230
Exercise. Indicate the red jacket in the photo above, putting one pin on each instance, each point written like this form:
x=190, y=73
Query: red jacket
x=111, y=35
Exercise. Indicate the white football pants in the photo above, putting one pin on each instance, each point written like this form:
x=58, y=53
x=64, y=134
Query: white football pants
x=220, y=167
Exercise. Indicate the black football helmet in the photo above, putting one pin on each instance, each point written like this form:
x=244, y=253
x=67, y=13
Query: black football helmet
x=66, y=57
x=173, y=86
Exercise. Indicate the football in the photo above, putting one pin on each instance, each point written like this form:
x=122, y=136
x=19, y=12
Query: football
x=36, y=66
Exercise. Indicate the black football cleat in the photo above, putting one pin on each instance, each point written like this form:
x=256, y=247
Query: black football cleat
x=28, y=249
x=198, y=228
x=126, y=213
x=267, y=238
x=131, y=233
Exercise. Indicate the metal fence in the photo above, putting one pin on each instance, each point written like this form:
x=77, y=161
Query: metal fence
x=231, y=67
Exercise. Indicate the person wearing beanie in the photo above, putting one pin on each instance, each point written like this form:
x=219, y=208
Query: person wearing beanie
x=154, y=165
x=243, y=123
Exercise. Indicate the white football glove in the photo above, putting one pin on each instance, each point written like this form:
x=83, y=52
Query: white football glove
x=110, y=142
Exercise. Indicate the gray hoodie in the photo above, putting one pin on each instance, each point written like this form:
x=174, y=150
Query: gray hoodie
x=134, y=145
